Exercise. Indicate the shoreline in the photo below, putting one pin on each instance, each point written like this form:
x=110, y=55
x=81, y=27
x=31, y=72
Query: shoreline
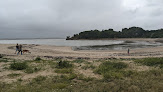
x=66, y=52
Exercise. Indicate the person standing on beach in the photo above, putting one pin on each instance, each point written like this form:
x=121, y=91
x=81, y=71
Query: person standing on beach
x=20, y=49
x=128, y=51
x=17, y=47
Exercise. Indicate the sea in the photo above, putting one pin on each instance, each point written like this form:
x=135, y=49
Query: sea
x=86, y=44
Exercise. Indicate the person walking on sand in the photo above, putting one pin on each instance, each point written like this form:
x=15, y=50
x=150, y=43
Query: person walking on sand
x=17, y=47
x=128, y=51
x=20, y=49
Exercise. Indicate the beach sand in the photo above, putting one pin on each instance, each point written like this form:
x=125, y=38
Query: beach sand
x=63, y=52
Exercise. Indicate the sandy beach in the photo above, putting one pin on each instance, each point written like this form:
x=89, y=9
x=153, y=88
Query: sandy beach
x=62, y=52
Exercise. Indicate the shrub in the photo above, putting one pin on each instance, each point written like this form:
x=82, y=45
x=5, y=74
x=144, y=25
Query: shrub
x=18, y=66
x=38, y=59
x=64, y=64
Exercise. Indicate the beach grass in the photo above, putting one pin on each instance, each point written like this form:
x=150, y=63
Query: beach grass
x=157, y=62
x=66, y=76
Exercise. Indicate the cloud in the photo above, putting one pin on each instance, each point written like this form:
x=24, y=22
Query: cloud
x=59, y=18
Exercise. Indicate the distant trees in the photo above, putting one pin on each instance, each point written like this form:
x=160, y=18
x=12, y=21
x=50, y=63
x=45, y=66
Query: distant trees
x=132, y=32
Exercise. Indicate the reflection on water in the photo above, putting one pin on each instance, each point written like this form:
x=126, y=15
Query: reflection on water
x=124, y=45
x=87, y=44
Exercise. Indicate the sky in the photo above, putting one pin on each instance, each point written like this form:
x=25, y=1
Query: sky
x=61, y=18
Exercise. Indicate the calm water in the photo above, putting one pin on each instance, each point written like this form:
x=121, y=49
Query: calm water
x=86, y=44
x=62, y=42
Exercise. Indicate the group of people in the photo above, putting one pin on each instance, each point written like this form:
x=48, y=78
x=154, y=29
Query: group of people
x=18, y=49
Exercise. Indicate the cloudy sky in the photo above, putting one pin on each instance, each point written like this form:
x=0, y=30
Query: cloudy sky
x=60, y=18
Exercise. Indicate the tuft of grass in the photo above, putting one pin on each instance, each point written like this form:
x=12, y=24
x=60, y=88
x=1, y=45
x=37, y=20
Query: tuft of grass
x=63, y=64
x=3, y=60
x=150, y=61
x=39, y=79
x=18, y=66
x=38, y=59
x=88, y=67
x=20, y=80
x=111, y=70
x=78, y=61
x=59, y=86
x=64, y=70
x=72, y=76
x=13, y=75
x=83, y=78
x=32, y=70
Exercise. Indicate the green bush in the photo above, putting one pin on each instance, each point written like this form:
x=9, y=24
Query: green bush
x=64, y=64
x=18, y=66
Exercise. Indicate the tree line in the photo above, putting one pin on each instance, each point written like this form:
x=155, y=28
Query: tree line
x=132, y=32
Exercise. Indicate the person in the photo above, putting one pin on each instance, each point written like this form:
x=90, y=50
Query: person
x=20, y=49
x=128, y=51
x=17, y=47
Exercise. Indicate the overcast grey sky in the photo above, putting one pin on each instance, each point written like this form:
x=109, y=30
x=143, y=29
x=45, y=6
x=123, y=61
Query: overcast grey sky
x=60, y=18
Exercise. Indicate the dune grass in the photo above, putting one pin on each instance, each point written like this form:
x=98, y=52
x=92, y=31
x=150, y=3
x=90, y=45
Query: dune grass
x=12, y=75
x=157, y=62
x=111, y=70
x=116, y=78
x=18, y=65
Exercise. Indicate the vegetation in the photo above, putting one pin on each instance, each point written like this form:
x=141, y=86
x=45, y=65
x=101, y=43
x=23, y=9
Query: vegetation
x=64, y=64
x=32, y=69
x=3, y=60
x=38, y=59
x=13, y=75
x=78, y=61
x=113, y=75
x=18, y=65
x=111, y=70
x=133, y=32
x=1, y=56
x=151, y=61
